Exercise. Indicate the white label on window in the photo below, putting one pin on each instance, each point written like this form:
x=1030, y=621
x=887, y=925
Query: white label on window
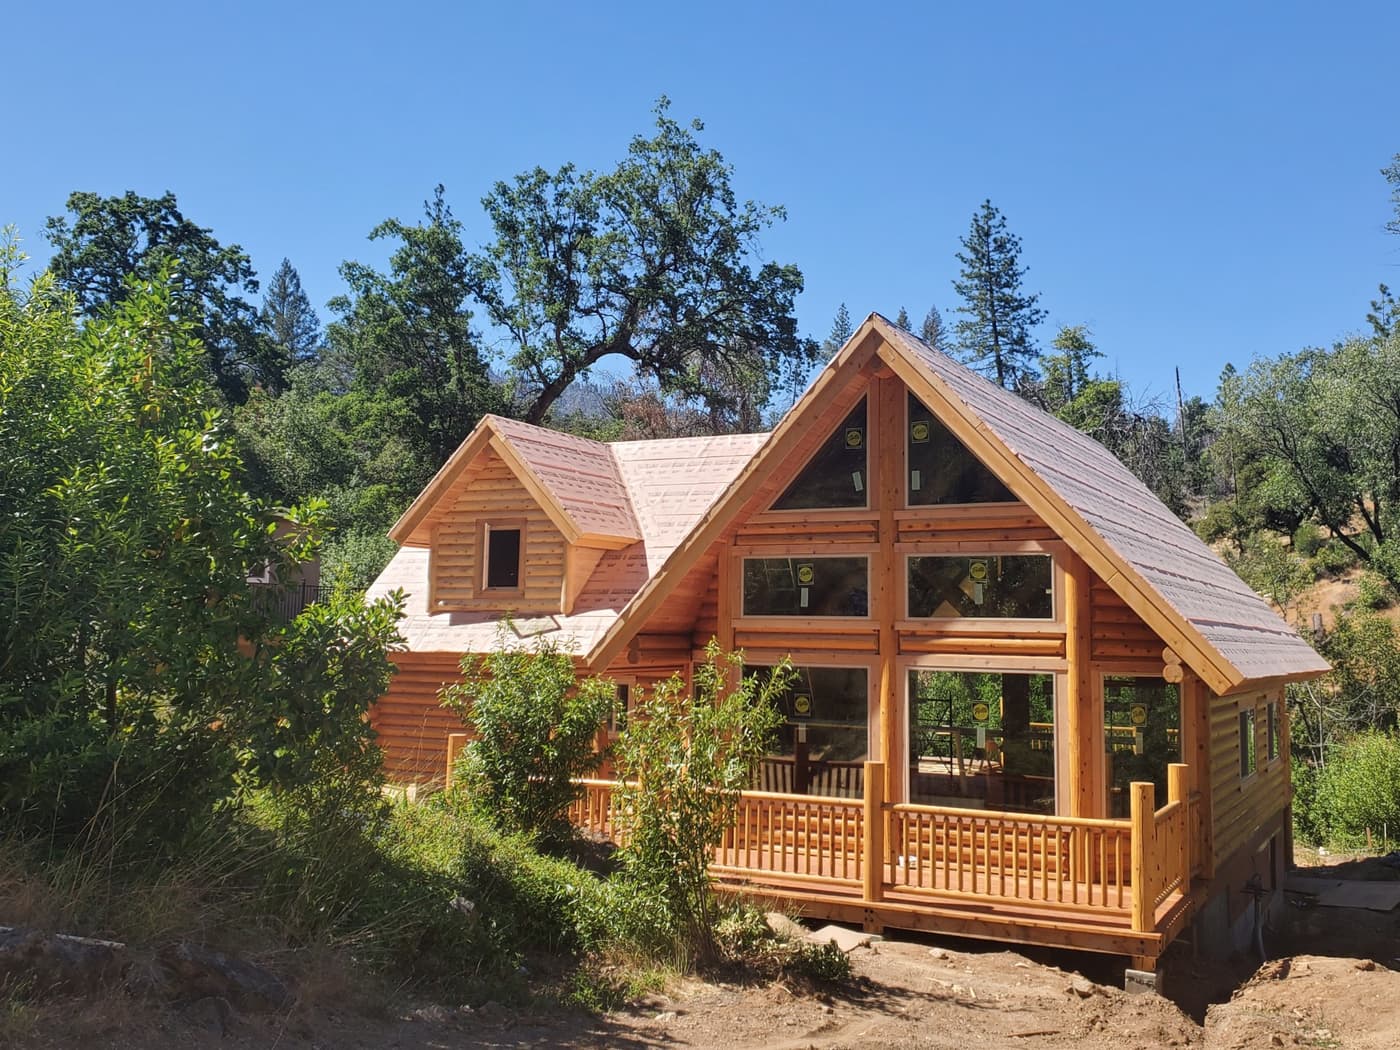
x=802, y=597
x=857, y=482
x=916, y=480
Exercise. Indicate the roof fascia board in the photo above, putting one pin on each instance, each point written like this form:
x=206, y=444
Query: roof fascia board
x=844, y=368
x=409, y=521
x=1176, y=631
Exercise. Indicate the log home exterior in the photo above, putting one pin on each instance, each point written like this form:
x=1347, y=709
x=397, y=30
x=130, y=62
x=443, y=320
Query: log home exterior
x=1032, y=706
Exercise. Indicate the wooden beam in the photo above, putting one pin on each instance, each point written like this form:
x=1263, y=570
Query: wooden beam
x=889, y=453
x=873, y=859
x=1084, y=729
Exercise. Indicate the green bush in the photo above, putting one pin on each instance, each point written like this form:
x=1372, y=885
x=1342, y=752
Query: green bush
x=1332, y=559
x=684, y=758
x=1373, y=591
x=1359, y=788
x=535, y=727
x=1309, y=823
x=1307, y=539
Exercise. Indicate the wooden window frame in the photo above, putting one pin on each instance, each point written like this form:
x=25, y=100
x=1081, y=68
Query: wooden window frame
x=872, y=455
x=837, y=661
x=1053, y=666
x=484, y=530
x=903, y=501
x=778, y=620
x=1249, y=712
x=1053, y=624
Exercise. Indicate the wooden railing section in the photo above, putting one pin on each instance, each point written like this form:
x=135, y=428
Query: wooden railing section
x=1128, y=868
x=977, y=854
x=799, y=837
x=595, y=810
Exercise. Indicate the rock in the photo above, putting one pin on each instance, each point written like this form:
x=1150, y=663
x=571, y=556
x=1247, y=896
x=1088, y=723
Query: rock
x=213, y=1013
x=847, y=940
x=665, y=1017
x=1365, y=964
x=938, y=953
x=785, y=927
x=193, y=972
x=491, y=1011
x=1083, y=987
x=59, y=961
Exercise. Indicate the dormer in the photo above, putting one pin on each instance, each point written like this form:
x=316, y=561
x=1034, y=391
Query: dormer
x=517, y=520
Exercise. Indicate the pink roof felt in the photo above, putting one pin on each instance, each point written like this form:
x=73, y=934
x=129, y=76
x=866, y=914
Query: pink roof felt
x=669, y=482
x=581, y=475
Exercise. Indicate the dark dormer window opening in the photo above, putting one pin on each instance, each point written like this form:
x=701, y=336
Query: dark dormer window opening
x=503, y=557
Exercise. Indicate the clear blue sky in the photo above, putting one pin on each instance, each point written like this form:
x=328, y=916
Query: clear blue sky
x=1198, y=183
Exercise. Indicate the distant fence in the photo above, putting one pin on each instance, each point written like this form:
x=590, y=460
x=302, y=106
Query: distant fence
x=283, y=604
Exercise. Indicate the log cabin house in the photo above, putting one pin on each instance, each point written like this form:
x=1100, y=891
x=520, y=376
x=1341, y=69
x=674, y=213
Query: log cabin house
x=1031, y=705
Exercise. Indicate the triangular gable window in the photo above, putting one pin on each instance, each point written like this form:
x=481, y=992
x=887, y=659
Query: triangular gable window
x=836, y=475
x=941, y=469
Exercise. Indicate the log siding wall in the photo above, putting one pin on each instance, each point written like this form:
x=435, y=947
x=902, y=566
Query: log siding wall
x=496, y=496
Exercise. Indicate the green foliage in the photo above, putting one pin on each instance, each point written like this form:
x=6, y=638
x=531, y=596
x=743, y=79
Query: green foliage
x=684, y=759
x=110, y=241
x=934, y=332
x=406, y=336
x=841, y=329
x=651, y=260
x=1319, y=436
x=996, y=336
x=292, y=327
x=535, y=728
x=1309, y=822
x=1272, y=569
x=143, y=682
x=1373, y=591
x=1359, y=788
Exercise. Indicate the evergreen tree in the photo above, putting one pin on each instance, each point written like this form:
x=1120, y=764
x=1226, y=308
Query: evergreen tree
x=902, y=319
x=290, y=322
x=1392, y=175
x=840, y=331
x=996, y=336
x=933, y=331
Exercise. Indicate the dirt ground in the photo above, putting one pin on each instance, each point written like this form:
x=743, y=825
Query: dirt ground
x=1336, y=984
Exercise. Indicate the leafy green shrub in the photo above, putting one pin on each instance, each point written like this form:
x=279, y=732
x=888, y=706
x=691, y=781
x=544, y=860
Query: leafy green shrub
x=820, y=962
x=1307, y=539
x=1332, y=559
x=1309, y=822
x=683, y=760
x=535, y=727
x=1359, y=788
x=1373, y=591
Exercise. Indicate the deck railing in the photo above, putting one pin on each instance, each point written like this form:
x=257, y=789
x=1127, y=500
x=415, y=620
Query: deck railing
x=970, y=853
x=1128, y=868
x=799, y=837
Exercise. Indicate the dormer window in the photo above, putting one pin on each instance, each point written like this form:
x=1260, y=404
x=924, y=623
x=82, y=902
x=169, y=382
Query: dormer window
x=502, y=548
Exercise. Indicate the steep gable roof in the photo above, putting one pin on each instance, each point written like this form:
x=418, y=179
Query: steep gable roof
x=668, y=485
x=1224, y=631
x=575, y=481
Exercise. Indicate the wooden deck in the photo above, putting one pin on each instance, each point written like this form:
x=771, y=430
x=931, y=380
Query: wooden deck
x=1116, y=886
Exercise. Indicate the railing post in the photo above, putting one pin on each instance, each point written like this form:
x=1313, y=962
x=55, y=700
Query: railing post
x=874, y=866
x=1179, y=790
x=1142, y=818
x=455, y=743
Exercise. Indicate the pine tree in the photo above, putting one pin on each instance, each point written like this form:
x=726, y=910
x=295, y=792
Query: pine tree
x=288, y=318
x=902, y=319
x=996, y=336
x=841, y=330
x=933, y=331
